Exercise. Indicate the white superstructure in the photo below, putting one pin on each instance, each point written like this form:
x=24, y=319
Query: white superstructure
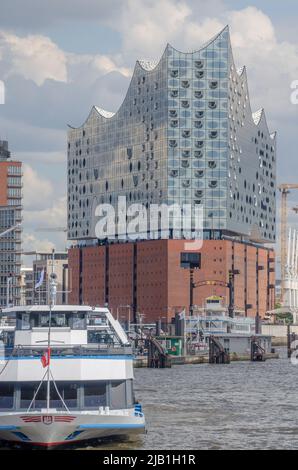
x=291, y=275
x=85, y=393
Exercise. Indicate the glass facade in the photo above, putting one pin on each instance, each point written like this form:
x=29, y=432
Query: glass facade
x=10, y=215
x=184, y=134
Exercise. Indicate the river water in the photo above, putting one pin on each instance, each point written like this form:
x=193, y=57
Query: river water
x=241, y=405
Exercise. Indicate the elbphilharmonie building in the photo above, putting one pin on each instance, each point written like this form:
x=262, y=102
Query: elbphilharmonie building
x=184, y=134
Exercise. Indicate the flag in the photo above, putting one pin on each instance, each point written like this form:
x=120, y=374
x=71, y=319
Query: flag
x=181, y=315
x=41, y=278
x=45, y=358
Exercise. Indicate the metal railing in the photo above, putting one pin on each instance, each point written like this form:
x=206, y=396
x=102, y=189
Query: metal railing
x=69, y=350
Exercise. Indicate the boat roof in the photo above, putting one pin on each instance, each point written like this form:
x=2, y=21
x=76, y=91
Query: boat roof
x=56, y=308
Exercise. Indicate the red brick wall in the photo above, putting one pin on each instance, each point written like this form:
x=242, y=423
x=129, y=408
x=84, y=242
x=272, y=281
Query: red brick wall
x=251, y=279
x=120, y=278
x=74, y=275
x=93, y=280
x=3, y=183
x=162, y=286
x=152, y=284
x=239, y=279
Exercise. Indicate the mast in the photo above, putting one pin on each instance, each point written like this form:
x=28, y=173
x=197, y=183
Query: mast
x=52, y=301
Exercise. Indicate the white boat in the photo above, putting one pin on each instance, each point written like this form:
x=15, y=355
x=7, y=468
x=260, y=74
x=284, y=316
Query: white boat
x=66, y=375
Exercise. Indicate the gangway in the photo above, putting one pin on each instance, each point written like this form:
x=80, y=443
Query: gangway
x=157, y=356
x=217, y=353
x=257, y=353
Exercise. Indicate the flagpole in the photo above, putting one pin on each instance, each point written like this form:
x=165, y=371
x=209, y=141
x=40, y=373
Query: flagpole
x=51, y=304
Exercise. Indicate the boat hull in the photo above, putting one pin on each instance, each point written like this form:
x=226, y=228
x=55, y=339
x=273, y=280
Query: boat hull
x=54, y=429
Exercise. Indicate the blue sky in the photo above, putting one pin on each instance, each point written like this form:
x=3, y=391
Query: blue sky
x=59, y=57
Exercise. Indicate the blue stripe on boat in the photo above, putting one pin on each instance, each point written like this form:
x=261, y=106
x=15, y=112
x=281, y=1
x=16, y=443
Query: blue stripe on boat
x=111, y=426
x=8, y=428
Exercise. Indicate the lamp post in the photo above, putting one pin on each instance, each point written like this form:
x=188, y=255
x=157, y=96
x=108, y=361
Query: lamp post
x=190, y=261
x=129, y=311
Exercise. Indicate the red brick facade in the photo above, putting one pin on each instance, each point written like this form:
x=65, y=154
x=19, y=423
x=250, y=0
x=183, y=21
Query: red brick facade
x=148, y=276
x=4, y=180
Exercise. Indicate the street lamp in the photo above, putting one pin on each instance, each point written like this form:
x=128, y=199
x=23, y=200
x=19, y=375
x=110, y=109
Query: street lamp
x=191, y=261
x=125, y=306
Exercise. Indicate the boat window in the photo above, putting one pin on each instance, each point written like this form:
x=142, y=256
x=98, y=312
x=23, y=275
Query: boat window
x=101, y=337
x=129, y=394
x=6, y=396
x=28, y=391
x=27, y=394
x=23, y=321
x=118, y=395
x=95, y=394
x=78, y=321
x=67, y=390
x=69, y=393
x=41, y=397
x=57, y=319
x=97, y=320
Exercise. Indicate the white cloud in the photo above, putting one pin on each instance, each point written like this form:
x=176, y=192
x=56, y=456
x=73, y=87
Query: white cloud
x=36, y=222
x=88, y=68
x=52, y=216
x=37, y=190
x=32, y=243
x=34, y=57
x=251, y=27
x=50, y=158
x=146, y=29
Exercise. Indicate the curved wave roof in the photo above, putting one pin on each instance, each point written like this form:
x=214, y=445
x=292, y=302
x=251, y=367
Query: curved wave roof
x=149, y=65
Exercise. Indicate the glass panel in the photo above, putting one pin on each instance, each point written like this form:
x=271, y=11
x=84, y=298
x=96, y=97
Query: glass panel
x=129, y=393
x=78, y=322
x=118, y=396
x=68, y=392
x=25, y=321
x=95, y=394
x=6, y=396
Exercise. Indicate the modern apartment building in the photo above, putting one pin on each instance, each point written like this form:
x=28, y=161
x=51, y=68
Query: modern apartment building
x=43, y=266
x=27, y=286
x=10, y=216
x=185, y=134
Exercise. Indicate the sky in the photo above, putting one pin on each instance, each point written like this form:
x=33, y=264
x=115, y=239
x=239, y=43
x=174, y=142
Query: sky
x=58, y=58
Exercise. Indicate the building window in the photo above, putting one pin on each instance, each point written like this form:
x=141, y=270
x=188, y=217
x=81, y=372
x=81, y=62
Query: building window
x=198, y=94
x=199, y=73
x=213, y=134
x=212, y=104
x=199, y=64
x=213, y=84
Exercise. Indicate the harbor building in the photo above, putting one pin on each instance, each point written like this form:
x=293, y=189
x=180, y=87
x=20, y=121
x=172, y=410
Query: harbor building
x=43, y=265
x=27, y=286
x=10, y=216
x=184, y=135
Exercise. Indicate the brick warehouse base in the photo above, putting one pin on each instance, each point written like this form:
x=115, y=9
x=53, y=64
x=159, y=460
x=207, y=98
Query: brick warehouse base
x=147, y=276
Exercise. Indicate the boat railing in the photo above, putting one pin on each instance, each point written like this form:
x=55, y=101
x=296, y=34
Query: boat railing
x=68, y=350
